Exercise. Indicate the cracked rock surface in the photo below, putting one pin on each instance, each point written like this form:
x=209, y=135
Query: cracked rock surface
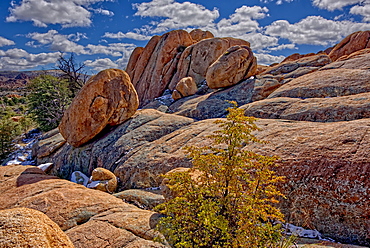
x=107, y=99
x=90, y=218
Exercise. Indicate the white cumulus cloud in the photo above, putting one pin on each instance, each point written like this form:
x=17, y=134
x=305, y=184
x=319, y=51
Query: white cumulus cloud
x=334, y=4
x=19, y=59
x=363, y=10
x=101, y=64
x=268, y=59
x=67, y=43
x=68, y=13
x=128, y=35
x=314, y=30
x=176, y=15
x=6, y=42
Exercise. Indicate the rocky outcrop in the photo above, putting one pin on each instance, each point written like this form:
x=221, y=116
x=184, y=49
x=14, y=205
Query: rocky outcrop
x=290, y=69
x=356, y=60
x=24, y=227
x=196, y=59
x=344, y=108
x=90, y=218
x=152, y=69
x=296, y=56
x=352, y=43
x=142, y=198
x=118, y=146
x=107, y=99
x=326, y=83
x=214, y=105
x=236, y=64
x=321, y=161
x=198, y=35
x=186, y=87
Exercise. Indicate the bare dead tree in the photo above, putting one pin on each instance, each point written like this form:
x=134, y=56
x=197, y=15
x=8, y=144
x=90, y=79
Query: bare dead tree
x=74, y=72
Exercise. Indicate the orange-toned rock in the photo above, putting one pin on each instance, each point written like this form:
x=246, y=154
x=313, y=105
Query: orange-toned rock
x=90, y=218
x=296, y=56
x=135, y=55
x=24, y=227
x=107, y=99
x=139, y=59
x=185, y=87
x=352, y=43
x=196, y=59
x=261, y=68
x=198, y=35
x=299, y=67
x=157, y=63
x=103, y=180
x=343, y=108
x=326, y=83
x=236, y=64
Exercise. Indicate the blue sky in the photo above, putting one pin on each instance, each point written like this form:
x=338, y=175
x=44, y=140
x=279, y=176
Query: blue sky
x=103, y=33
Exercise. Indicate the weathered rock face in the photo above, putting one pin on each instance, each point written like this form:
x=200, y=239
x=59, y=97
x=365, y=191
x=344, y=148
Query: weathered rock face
x=295, y=68
x=344, y=108
x=352, y=43
x=186, y=87
x=213, y=105
x=296, y=56
x=118, y=146
x=326, y=83
x=196, y=59
x=90, y=218
x=152, y=69
x=107, y=99
x=24, y=227
x=141, y=198
x=326, y=165
x=236, y=64
x=198, y=35
x=356, y=60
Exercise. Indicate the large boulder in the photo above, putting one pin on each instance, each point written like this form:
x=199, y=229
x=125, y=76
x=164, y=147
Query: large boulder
x=198, y=35
x=196, y=59
x=151, y=69
x=352, y=43
x=236, y=64
x=90, y=218
x=24, y=227
x=107, y=99
x=185, y=87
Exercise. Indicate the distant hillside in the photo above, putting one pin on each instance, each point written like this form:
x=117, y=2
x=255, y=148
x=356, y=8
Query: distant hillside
x=12, y=82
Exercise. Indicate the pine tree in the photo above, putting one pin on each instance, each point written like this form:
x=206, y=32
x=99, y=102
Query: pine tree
x=227, y=198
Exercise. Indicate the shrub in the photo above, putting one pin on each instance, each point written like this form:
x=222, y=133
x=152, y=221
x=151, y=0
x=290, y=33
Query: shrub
x=230, y=201
x=49, y=97
x=8, y=131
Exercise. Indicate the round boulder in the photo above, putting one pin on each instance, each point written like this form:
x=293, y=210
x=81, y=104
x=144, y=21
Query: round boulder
x=25, y=227
x=236, y=64
x=185, y=87
x=103, y=180
x=107, y=99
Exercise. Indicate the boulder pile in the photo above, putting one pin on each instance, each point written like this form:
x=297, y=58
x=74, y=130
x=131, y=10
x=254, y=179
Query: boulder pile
x=316, y=117
x=89, y=218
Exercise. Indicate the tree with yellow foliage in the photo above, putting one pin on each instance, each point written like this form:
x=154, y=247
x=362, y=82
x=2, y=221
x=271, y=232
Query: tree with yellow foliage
x=230, y=201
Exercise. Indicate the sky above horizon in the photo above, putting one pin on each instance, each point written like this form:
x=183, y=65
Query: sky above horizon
x=103, y=33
